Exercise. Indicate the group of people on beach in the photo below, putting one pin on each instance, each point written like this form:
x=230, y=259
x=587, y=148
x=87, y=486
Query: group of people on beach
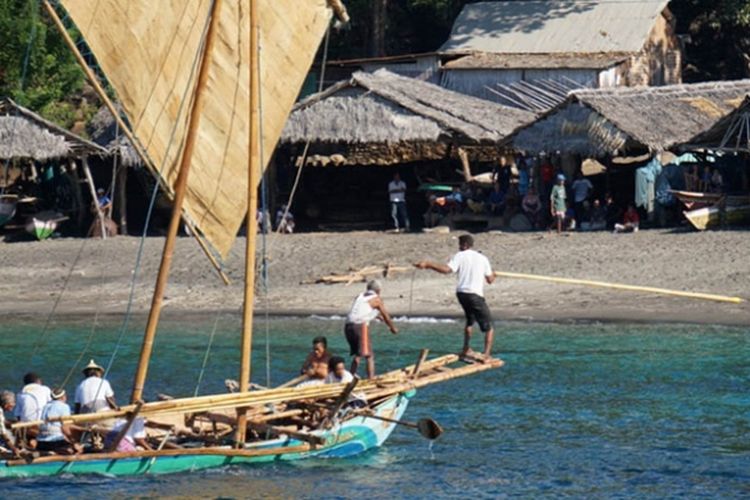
x=40, y=408
x=473, y=270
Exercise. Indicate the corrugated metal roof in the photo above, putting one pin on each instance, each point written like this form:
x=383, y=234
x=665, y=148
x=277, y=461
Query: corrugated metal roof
x=537, y=26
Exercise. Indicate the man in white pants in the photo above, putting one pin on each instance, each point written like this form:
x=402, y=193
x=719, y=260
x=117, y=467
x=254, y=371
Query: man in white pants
x=474, y=271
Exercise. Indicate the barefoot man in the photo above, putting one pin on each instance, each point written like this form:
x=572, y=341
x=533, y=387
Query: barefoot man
x=366, y=307
x=473, y=270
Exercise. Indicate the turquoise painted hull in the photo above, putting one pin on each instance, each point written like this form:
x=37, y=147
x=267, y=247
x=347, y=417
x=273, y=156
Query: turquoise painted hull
x=353, y=437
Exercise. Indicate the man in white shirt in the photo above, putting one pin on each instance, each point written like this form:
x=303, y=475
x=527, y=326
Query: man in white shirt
x=397, y=194
x=338, y=374
x=94, y=393
x=474, y=271
x=32, y=398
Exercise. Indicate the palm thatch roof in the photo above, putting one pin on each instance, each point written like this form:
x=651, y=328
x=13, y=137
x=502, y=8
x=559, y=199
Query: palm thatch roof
x=104, y=130
x=26, y=135
x=383, y=107
x=595, y=122
x=730, y=133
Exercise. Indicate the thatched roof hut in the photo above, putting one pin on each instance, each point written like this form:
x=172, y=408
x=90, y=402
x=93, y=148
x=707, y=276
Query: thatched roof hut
x=617, y=121
x=383, y=118
x=103, y=129
x=729, y=133
x=26, y=135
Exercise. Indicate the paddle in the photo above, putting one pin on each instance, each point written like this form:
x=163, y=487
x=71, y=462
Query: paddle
x=427, y=427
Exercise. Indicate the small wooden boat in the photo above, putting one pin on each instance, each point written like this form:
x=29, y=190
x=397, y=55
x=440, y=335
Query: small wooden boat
x=694, y=200
x=44, y=224
x=710, y=217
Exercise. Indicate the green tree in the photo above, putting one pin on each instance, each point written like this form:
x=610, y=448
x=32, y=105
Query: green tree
x=46, y=81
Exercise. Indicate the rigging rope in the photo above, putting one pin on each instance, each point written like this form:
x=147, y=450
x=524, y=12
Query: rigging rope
x=206, y=355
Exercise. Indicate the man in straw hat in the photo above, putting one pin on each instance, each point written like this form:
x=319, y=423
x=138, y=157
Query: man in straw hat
x=94, y=393
x=56, y=437
x=366, y=307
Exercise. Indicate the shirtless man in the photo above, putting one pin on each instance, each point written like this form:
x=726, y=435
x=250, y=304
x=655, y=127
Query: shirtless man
x=316, y=364
x=474, y=271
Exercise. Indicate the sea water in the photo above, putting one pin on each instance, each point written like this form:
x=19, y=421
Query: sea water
x=586, y=410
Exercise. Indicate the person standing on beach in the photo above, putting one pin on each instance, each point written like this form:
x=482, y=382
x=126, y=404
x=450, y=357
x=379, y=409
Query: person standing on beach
x=558, y=203
x=366, y=307
x=397, y=195
x=474, y=271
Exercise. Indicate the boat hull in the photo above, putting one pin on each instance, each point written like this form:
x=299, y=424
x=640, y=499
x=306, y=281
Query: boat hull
x=706, y=218
x=354, y=436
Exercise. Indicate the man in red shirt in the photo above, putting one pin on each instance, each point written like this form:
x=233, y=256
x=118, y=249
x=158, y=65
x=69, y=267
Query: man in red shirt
x=630, y=221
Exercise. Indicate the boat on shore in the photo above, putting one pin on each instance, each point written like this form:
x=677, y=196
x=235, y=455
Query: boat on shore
x=711, y=217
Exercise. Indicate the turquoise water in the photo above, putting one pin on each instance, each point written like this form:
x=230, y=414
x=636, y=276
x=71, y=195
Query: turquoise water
x=579, y=410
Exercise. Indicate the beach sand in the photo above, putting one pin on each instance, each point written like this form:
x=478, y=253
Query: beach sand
x=95, y=275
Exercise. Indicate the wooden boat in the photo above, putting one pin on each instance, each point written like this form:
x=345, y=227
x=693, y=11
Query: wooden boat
x=249, y=426
x=694, y=200
x=43, y=224
x=710, y=217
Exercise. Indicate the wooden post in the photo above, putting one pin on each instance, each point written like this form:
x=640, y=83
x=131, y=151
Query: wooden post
x=254, y=170
x=121, y=198
x=91, y=77
x=92, y=189
x=179, y=197
x=422, y=357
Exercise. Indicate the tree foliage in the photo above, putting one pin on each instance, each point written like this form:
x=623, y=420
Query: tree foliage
x=36, y=68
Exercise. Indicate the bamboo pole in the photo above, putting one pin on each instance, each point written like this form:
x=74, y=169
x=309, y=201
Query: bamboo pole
x=180, y=189
x=254, y=169
x=91, y=77
x=616, y=286
x=92, y=190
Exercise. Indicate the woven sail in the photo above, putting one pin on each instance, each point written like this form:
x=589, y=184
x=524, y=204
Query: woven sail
x=149, y=50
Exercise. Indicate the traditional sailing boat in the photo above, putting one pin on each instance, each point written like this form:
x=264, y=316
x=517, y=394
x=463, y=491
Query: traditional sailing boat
x=206, y=54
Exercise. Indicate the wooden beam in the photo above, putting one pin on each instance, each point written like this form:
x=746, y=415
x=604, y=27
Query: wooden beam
x=92, y=190
x=422, y=357
x=180, y=189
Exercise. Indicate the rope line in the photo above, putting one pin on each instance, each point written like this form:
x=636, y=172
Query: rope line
x=206, y=355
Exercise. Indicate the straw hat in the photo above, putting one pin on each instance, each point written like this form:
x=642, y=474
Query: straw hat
x=93, y=366
x=58, y=393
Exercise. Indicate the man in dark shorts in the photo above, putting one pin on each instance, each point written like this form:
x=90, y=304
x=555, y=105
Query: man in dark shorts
x=474, y=271
x=366, y=307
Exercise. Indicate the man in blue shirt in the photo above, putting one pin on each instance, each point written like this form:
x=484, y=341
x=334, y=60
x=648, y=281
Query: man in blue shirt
x=56, y=437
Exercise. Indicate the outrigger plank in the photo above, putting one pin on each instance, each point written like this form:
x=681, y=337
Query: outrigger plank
x=220, y=451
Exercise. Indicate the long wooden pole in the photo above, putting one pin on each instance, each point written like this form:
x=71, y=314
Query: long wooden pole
x=91, y=77
x=92, y=190
x=254, y=170
x=179, y=197
x=617, y=286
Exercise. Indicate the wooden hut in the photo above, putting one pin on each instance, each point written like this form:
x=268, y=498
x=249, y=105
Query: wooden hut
x=45, y=165
x=384, y=119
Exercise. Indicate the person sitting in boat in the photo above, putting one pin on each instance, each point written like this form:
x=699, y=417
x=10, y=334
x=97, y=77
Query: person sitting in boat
x=366, y=307
x=338, y=374
x=57, y=437
x=32, y=398
x=630, y=221
x=94, y=393
x=316, y=363
x=134, y=438
x=7, y=440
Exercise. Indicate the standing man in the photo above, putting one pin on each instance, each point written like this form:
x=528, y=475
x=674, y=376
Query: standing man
x=397, y=194
x=557, y=202
x=582, y=189
x=366, y=307
x=474, y=271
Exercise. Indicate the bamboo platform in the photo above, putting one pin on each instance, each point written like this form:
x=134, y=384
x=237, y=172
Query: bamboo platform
x=259, y=403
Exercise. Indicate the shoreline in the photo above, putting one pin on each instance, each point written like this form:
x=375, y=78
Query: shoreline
x=95, y=276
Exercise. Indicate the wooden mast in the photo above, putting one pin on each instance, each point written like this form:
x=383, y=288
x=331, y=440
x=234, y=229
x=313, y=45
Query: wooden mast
x=254, y=170
x=179, y=196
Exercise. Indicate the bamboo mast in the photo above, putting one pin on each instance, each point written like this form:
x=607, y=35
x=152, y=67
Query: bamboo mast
x=179, y=196
x=254, y=170
x=91, y=77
